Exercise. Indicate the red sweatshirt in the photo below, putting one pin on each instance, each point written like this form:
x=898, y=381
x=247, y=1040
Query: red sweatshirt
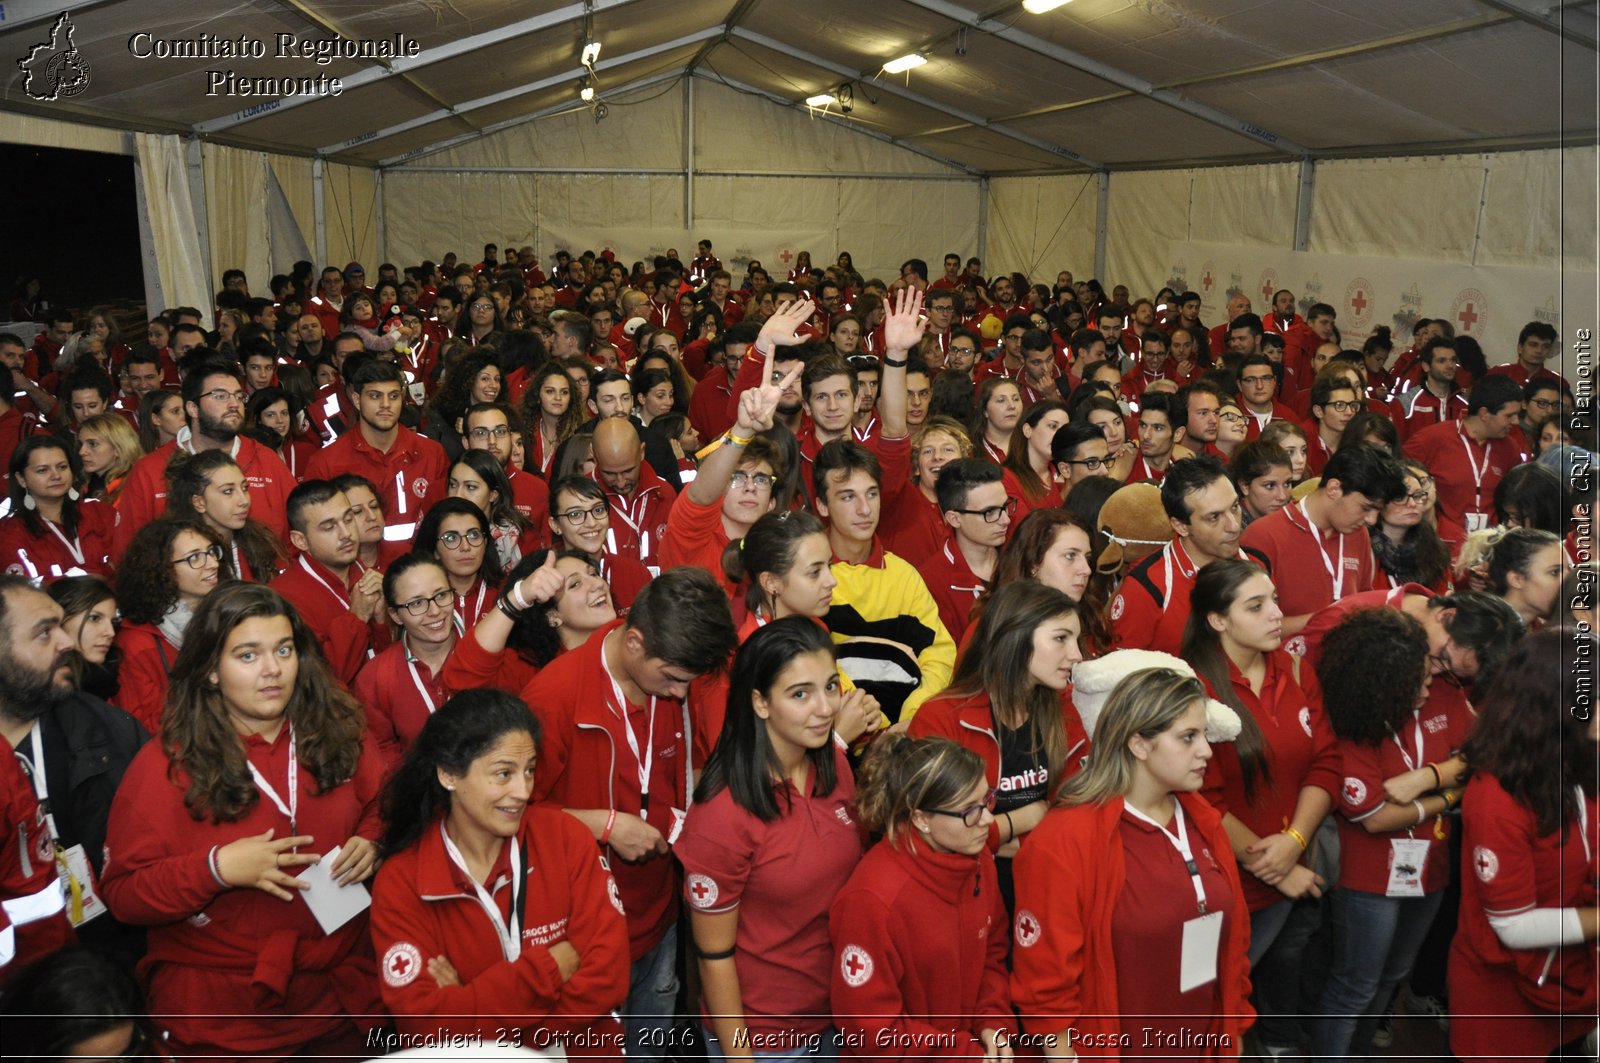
x=1064, y=978
x=585, y=761
x=399, y=693
x=639, y=521
x=147, y=659
x=228, y=969
x=33, y=918
x=55, y=553
x=1298, y=748
x=323, y=602
x=144, y=492
x=410, y=476
x=919, y=945
x=424, y=905
x=694, y=537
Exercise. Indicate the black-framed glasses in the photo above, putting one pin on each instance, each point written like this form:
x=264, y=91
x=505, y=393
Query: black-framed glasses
x=417, y=606
x=1232, y=418
x=219, y=395
x=1416, y=498
x=1544, y=404
x=991, y=514
x=1092, y=464
x=1446, y=668
x=197, y=559
x=759, y=480
x=970, y=816
x=499, y=431
x=594, y=513
x=1343, y=406
x=453, y=539
x=964, y=350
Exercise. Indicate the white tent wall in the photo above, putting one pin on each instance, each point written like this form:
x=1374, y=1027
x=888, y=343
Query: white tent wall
x=1040, y=226
x=766, y=185
x=350, y=217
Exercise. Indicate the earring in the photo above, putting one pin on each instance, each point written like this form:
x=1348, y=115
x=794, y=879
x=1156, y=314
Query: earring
x=452, y=789
x=28, y=502
x=72, y=493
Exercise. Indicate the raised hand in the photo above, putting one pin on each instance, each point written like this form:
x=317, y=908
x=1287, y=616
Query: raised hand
x=544, y=583
x=903, y=323
x=781, y=329
x=758, y=406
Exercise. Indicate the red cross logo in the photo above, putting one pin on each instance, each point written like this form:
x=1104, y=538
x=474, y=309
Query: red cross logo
x=1028, y=929
x=1467, y=318
x=853, y=965
x=1266, y=292
x=786, y=256
x=699, y=890
x=400, y=964
x=702, y=890
x=1485, y=863
x=1206, y=281
x=1360, y=301
x=1028, y=926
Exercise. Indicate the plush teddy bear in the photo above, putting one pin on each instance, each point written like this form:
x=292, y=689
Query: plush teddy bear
x=1093, y=681
x=1135, y=525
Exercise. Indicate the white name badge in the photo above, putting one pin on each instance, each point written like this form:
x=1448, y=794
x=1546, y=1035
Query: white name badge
x=1202, y=940
x=1477, y=521
x=72, y=866
x=1407, y=858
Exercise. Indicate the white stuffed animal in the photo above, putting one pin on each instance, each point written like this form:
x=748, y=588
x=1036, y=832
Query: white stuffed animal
x=1093, y=682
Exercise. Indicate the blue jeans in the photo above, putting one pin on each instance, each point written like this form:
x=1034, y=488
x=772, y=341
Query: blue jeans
x=825, y=1051
x=652, y=999
x=1375, y=941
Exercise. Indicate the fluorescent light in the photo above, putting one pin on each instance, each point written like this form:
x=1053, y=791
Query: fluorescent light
x=586, y=93
x=822, y=99
x=591, y=53
x=904, y=63
x=1039, y=7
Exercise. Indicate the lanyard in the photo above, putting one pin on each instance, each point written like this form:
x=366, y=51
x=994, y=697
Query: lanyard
x=292, y=809
x=1180, y=842
x=1583, y=822
x=34, y=768
x=74, y=545
x=416, y=677
x=510, y=935
x=238, y=563
x=1411, y=765
x=1335, y=575
x=648, y=758
x=477, y=605
x=343, y=600
x=1477, y=471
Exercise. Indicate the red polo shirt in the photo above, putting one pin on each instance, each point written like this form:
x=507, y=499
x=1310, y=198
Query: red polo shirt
x=1316, y=569
x=1466, y=473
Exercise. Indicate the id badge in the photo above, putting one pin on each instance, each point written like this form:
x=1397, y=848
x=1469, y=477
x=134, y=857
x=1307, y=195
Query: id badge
x=78, y=885
x=1202, y=940
x=678, y=816
x=1477, y=521
x=1407, y=858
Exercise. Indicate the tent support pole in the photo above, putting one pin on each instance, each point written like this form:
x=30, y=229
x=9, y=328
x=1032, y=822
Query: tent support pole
x=1102, y=210
x=983, y=219
x=316, y=211
x=688, y=155
x=377, y=207
x=202, y=212
x=1303, y=201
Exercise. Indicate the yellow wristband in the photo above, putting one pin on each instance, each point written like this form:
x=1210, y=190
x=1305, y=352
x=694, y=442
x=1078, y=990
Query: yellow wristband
x=1297, y=836
x=738, y=441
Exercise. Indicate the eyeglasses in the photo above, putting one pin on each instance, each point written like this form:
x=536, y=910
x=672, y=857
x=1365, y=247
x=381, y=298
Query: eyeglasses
x=219, y=395
x=595, y=513
x=963, y=350
x=1232, y=418
x=1446, y=669
x=1092, y=464
x=1267, y=379
x=1014, y=336
x=198, y=558
x=1343, y=406
x=991, y=514
x=759, y=480
x=482, y=306
x=417, y=606
x=453, y=539
x=970, y=816
x=1415, y=498
x=499, y=431
x=1544, y=404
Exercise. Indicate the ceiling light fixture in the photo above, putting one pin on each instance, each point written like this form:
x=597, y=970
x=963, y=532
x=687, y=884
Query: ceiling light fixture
x=821, y=99
x=1039, y=7
x=591, y=54
x=904, y=63
x=586, y=91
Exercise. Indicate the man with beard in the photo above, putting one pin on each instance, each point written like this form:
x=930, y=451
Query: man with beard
x=213, y=400
x=73, y=748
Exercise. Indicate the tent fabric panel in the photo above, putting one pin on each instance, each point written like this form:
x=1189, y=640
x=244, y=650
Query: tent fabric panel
x=1245, y=204
x=169, y=210
x=1041, y=225
x=427, y=214
x=1148, y=212
x=1398, y=208
x=1528, y=221
x=236, y=213
x=349, y=212
x=294, y=177
x=42, y=132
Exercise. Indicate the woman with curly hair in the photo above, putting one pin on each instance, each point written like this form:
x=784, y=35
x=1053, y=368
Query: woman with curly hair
x=260, y=773
x=473, y=378
x=172, y=565
x=1393, y=731
x=1523, y=957
x=551, y=408
x=107, y=446
x=209, y=487
x=50, y=532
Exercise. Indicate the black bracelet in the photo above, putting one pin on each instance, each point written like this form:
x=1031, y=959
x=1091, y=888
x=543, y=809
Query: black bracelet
x=1011, y=828
x=901, y=364
x=704, y=955
x=512, y=613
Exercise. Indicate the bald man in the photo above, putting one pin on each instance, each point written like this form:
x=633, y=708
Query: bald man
x=1238, y=304
x=640, y=500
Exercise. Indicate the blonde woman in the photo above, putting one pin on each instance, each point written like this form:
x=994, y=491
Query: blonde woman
x=108, y=446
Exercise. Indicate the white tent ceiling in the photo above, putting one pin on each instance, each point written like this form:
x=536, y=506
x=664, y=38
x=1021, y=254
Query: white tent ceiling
x=1097, y=84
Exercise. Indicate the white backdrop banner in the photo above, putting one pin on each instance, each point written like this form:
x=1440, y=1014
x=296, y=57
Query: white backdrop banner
x=1488, y=303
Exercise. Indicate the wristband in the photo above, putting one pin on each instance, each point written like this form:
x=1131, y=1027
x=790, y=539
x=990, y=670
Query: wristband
x=512, y=613
x=901, y=364
x=723, y=955
x=1438, y=780
x=1422, y=813
x=738, y=441
x=215, y=865
x=611, y=821
x=1297, y=836
x=1450, y=798
x=515, y=594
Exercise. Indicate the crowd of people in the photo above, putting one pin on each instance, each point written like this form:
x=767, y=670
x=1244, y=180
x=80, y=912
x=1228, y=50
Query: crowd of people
x=624, y=661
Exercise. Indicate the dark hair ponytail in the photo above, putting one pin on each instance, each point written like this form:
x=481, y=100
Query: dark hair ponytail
x=769, y=546
x=464, y=729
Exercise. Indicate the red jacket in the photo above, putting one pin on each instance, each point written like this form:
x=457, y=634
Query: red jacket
x=409, y=477
x=236, y=971
x=585, y=761
x=638, y=522
x=423, y=906
x=1420, y=408
x=470, y=665
x=33, y=918
x=1466, y=473
x=15, y=426
x=1298, y=748
x=919, y=942
x=323, y=602
x=398, y=694
x=708, y=407
x=968, y=721
x=1069, y=877
x=55, y=554
x=913, y=528
x=695, y=537
x=144, y=492
x=147, y=659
